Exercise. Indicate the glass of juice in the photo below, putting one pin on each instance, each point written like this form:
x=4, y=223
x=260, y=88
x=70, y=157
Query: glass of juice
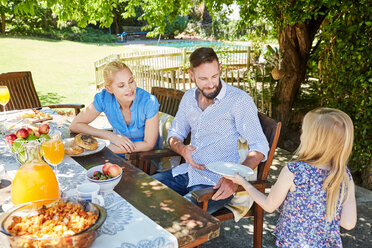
x=54, y=150
x=4, y=96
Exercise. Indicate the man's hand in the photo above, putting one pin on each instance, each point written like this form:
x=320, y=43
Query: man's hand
x=225, y=189
x=187, y=154
x=185, y=151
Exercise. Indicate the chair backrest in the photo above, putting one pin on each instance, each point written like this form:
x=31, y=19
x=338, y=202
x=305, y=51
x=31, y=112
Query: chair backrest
x=21, y=89
x=169, y=99
x=271, y=129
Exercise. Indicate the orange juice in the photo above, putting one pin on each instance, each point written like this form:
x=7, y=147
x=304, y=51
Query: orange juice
x=34, y=181
x=54, y=151
x=4, y=95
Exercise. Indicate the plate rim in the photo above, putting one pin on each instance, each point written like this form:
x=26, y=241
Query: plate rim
x=250, y=171
x=90, y=152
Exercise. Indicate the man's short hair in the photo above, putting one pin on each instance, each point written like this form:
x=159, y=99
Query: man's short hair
x=202, y=55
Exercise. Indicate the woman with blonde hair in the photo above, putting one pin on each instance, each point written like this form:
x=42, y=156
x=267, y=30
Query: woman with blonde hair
x=131, y=111
x=315, y=193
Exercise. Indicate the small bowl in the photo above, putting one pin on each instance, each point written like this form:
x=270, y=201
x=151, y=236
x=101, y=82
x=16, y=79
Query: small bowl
x=105, y=185
x=83, y=239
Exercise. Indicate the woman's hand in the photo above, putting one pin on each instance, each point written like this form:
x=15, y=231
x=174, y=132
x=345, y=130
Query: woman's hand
x=238, y=179
x=124, y=144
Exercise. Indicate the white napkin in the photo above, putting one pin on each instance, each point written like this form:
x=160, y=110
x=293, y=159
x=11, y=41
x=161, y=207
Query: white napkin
x=242, y=202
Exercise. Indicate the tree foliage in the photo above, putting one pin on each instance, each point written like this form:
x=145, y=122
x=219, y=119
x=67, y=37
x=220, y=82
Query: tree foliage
x=343, y=61
x=158, y=12
x=341, y=29
x=81, y=11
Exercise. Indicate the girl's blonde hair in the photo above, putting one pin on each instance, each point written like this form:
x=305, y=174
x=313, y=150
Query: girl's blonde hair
x=112, y=68
x=327, y=138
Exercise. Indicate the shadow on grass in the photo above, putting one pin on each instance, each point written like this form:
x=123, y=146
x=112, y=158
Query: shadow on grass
x=51, y=98
x=15, y=36
x=28, y=37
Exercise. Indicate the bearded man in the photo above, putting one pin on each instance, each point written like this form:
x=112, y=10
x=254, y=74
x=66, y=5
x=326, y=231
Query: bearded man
x=216, y=114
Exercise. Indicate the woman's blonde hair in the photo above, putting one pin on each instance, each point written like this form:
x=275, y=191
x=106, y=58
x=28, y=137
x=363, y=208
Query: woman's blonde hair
x=327, y=138
x=112, y=68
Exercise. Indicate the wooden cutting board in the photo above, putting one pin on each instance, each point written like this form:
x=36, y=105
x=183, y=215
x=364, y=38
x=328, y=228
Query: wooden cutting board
x=34, y=116
x=36, y=120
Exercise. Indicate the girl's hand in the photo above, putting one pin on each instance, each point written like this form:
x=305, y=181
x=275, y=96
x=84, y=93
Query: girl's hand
x=238, y=179
x=123, y=142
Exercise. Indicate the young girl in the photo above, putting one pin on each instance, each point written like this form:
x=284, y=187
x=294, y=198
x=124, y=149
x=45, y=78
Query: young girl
x=315, y=194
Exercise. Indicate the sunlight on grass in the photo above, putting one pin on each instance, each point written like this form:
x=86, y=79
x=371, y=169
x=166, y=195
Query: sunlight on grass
x=61, y=69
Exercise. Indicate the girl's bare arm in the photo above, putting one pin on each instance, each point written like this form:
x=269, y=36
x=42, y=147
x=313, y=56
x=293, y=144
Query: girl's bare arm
x=277, y=193
x=349, y=210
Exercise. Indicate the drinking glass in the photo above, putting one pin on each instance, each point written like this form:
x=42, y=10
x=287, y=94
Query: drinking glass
x=4, y=96
x=54, y=150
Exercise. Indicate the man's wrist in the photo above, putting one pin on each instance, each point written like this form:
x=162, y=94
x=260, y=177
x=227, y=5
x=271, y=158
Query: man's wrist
x=177, y=146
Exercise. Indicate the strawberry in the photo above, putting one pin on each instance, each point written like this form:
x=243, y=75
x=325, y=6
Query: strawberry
x=97, y=173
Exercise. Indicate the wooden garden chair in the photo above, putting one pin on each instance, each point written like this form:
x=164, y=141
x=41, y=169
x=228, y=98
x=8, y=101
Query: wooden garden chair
x=271, y=130
x=23, y=94
x=169, y=100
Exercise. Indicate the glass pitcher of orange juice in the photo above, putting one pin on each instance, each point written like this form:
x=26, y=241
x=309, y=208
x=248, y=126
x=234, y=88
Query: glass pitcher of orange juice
x=34, y=180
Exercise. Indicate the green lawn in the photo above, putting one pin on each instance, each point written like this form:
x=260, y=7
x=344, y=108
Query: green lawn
x=63, y=71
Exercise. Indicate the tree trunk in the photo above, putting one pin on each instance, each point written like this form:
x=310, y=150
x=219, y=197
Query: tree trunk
x=46, y=19
x=116, y=23
x=292, y=40
x=367, y=177
x=295, y=42
x=3, y=23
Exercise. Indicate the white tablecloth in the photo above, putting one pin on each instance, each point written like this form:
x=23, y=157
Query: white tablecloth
x=125, y=226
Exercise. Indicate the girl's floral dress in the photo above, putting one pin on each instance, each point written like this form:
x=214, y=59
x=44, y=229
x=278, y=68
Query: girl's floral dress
x=302, y=221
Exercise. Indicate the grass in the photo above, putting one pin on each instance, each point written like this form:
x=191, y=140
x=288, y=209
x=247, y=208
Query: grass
x=62, y=71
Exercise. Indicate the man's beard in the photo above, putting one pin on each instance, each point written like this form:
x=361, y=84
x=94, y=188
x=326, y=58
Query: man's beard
x=212, y=95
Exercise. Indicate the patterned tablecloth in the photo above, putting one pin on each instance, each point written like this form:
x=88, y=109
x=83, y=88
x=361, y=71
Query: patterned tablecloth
x=125, y=226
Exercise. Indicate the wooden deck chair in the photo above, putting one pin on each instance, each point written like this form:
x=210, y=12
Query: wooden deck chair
x=271, y=130
x=23, y=94
x=169, y=100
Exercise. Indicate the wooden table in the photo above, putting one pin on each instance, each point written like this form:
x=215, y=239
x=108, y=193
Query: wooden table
x=187, y=222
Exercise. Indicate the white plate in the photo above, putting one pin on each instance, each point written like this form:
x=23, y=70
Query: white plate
x=229, y=169
x=101, y=145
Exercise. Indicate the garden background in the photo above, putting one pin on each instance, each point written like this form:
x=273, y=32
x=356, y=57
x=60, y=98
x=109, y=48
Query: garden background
x=329, y=41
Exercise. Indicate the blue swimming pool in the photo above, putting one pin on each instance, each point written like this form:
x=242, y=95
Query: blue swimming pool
x=195, y=44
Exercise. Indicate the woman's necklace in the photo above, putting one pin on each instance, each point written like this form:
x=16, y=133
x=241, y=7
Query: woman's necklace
x=127, y=116
x=126, y=111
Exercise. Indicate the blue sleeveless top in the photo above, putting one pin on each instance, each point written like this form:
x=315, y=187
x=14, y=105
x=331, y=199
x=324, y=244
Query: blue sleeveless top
x=303, y=221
